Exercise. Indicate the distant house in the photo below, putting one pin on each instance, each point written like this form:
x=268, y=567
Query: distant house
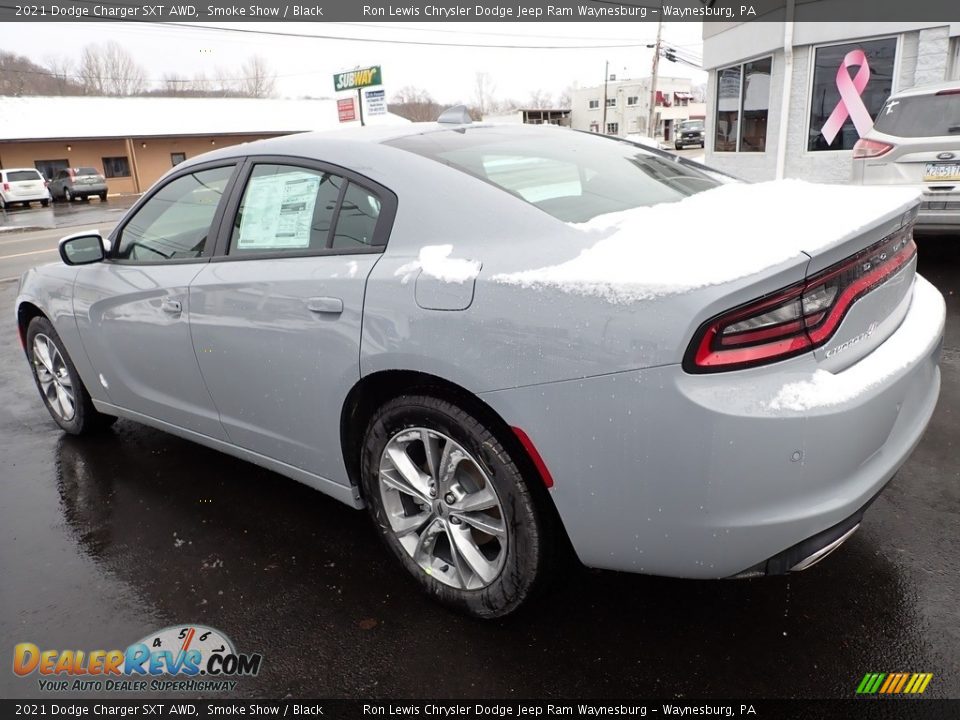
x=136, y=140
x=773, y=87
x=533, y=116
x=628, y=107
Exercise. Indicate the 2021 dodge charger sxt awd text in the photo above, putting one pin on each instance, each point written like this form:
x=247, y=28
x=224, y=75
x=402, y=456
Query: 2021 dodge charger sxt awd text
x=497, y=337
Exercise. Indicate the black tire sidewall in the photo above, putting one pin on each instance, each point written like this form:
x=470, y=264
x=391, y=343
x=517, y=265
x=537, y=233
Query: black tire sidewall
x=526, y=543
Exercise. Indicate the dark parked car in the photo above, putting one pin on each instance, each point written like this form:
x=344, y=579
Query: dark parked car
x=690, y=132
x=78, y=182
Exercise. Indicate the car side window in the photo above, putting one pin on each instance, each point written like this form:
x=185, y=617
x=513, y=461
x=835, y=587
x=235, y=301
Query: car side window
x=357, y=220
x=285, y=208
x=175, y=222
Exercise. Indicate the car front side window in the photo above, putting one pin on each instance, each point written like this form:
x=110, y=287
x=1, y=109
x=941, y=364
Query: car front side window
x=174, y=224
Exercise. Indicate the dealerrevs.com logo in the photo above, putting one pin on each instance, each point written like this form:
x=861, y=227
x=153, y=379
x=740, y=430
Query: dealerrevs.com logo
x=183, y=658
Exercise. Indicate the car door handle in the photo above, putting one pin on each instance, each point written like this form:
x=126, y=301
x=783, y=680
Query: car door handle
x=173, y=307
x=331, y=305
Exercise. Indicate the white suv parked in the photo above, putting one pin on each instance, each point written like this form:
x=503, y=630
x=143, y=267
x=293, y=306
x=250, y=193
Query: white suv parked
x=22, y=185
x=916, y=141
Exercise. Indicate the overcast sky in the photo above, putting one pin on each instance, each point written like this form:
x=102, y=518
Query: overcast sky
x=305, y=66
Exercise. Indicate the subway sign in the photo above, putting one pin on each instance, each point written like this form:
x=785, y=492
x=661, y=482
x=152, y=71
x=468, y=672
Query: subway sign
x=364, y=77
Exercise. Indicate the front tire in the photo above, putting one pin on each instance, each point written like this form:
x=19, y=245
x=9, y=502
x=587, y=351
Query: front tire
x=67, y=195
x=451, y=504
x=59, y=384
x=44, y=203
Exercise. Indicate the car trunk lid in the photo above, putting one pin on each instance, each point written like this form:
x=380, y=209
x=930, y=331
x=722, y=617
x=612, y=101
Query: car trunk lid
x=870, y=276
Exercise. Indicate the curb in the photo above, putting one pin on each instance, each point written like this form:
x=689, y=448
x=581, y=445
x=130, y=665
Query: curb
x=13, y=229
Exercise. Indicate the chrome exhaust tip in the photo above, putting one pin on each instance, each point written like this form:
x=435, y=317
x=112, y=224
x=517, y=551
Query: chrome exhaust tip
x=814, y=558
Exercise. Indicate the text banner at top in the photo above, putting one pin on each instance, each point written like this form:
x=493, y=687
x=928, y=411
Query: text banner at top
x=322, y=11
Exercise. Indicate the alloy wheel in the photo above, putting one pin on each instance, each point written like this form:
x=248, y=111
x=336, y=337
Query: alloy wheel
x=443, y=509
x=54, y=377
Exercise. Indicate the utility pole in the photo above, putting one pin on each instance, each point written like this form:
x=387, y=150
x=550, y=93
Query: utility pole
x=651, y=130
x=606, y=78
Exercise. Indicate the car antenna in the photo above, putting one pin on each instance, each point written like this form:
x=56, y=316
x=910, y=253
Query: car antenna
x=456, y=115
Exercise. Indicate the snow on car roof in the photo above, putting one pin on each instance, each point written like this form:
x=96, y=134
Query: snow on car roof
x=40, y=118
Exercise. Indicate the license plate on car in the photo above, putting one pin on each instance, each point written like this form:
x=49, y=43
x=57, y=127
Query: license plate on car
x=941, y=171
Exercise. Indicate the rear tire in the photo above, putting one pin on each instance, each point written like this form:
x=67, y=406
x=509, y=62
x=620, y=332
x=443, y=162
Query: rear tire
x=467, y=527
x=103, y=197
x=61, y=389
x=67, y=195
x=44, y=203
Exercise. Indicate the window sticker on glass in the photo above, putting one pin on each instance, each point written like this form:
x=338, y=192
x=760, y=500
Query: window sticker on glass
x=278, y=211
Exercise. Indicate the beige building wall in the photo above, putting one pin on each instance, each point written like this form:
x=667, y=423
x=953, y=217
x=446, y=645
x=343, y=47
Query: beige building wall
x=78, y=153
x=148, y=158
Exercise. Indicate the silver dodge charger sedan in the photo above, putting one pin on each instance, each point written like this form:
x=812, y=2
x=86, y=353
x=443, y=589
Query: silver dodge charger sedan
x=506, y=341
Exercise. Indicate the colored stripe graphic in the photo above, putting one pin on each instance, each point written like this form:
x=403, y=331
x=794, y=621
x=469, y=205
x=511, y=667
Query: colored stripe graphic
x=894, y=683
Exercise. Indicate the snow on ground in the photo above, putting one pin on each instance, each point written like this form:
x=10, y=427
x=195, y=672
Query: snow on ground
x=435, y=261
x=908, y=344
x=716, y=236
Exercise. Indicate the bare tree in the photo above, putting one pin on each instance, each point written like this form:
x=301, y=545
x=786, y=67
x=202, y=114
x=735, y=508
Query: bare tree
x=414, y=104
x=175, y=84
x=62, y=72
x=483, y=89
x=224, y=82
x=200, y=83
x=540, y=99
x=258, y=80
x=109, y=69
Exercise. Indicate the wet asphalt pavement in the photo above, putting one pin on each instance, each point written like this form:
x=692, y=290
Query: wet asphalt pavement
x=105, y=540
x=63, y=214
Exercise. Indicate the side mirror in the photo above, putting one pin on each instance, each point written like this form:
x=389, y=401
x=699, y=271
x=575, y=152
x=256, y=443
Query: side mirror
x=82, y=248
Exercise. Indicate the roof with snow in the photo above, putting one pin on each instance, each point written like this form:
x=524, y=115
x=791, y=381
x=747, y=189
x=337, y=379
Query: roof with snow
x=49, y=118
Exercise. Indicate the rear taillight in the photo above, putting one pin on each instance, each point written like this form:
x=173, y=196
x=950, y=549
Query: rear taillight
x=798, y=318
x=949, y=91
x=6, y=186
x=870, y=149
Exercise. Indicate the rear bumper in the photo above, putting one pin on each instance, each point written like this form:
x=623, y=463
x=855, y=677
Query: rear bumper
x=79, y=190
x=710, y=476
x=26, y=197
x=939, y=215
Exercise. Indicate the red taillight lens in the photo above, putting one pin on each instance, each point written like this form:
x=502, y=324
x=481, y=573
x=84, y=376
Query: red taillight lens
x=949, y=91
x=870, y=149
x=800, y=317
x=6, y=186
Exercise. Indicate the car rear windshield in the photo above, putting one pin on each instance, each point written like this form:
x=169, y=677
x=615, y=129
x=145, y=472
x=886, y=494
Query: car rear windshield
x=691, y=125
x=573, y=176
x=86, y=171
x=21, y=175
x=920, y=116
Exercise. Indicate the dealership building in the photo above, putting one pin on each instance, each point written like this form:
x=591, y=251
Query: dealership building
x=773, y=87
x=135, y=140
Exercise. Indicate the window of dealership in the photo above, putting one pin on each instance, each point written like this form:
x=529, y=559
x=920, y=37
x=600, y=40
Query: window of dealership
x=772, y=90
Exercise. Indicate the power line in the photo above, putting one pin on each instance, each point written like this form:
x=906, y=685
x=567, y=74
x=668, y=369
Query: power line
x=394, y=41
x=404, y=26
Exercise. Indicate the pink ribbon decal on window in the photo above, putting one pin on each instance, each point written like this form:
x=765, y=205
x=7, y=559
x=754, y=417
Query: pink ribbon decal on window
x=850, y=104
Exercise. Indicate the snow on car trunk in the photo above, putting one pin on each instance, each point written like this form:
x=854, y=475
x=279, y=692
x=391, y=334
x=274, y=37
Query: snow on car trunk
x=713, y=237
